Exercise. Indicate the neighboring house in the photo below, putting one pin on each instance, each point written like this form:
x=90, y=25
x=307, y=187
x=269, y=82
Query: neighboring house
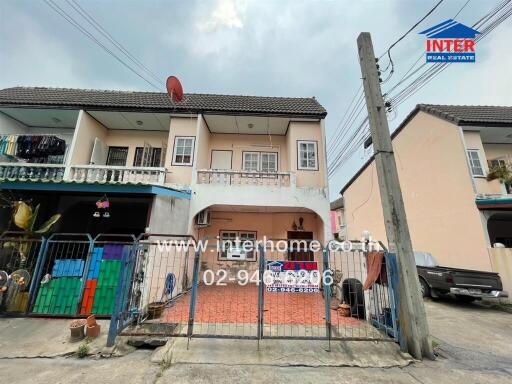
x=443, y=154
x=337, y=222
x=211, y=165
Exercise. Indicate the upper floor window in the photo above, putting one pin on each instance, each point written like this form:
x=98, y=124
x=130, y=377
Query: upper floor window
x=497, y=163
x=183, y=150
x=307, y=153
x=475, y=163
x=117, y=156
x=251, y=161
x=260, y=161
x=147, y=157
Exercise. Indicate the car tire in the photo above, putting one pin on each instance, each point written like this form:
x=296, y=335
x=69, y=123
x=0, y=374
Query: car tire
x=424, y=288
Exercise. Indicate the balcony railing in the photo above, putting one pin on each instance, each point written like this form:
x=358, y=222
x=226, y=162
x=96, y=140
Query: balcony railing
x=32, y=172
x=117, y=175
x=245, y=178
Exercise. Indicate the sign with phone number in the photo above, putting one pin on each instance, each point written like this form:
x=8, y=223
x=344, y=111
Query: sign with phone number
x=293, y=276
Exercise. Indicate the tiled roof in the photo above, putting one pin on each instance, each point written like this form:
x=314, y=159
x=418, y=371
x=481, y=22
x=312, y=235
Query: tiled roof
x=160, y=102
x=470, y=115
x=337, y=204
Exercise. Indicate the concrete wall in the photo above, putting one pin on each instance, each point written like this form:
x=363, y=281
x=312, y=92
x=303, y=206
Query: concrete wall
x=87, y=129
x=202, y=154
x=312, y=132
x=169, y=215
x=438, y=194
x=133, y=139
x=273, y=225
x=498, y=151
x=180, y=126
x=249, y=143
x=473, y=140
x=501, y=260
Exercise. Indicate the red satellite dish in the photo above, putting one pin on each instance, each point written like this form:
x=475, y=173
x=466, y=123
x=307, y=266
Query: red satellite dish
x=174, y=88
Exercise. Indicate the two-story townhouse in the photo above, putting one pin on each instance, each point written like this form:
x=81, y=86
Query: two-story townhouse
x=454, y=210
x=210, y=166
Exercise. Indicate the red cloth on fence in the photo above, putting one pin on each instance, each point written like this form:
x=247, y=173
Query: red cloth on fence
x=376, y=268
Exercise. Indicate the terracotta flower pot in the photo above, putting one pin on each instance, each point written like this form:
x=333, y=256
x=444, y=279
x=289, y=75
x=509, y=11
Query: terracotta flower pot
x=91, y=320
x=92, y=331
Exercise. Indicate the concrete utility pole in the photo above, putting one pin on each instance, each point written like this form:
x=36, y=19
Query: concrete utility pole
x=412, y=316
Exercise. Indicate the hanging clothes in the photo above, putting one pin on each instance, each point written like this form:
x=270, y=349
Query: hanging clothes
x=33, y=148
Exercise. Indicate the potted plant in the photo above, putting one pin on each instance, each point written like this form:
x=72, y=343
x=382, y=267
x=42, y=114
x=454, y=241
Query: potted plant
x=77, y=328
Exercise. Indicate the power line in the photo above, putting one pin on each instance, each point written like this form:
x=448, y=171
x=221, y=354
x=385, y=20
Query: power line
x=346, y=123
x=55, y=7
x=499, y=13
x=406, y=33
x=96, y=25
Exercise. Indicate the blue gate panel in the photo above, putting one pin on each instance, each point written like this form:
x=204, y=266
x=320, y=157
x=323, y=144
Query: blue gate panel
x=68, y=268
x=94, y=265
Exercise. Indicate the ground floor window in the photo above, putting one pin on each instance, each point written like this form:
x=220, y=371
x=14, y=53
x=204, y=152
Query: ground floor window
x=232, y=238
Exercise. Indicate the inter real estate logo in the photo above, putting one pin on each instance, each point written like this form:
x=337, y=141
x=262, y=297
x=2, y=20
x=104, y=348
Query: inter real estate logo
x=450, y=42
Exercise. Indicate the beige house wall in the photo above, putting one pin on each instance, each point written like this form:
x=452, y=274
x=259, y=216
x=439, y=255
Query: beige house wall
x=310, y=131
x=474, y=141
x=498, y=151
x=133, y=139
x=202, y=147
x=249, y=143
x=87, y=129
x=180, y=126
x=438, y=195
x=273, y=225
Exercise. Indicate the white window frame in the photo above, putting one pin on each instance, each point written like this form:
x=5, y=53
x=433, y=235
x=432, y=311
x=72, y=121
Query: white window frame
x=472, y=162
x=244, y=161
x=299, y=156
x=240, y=234
x=275, y=156
x=175, y=150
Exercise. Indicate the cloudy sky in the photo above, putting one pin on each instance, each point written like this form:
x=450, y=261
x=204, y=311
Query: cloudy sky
x=259, y=47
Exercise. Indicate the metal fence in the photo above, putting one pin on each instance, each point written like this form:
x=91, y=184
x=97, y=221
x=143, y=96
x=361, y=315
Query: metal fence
x=159, y=280
x=231, y=299
x=19, y=254
x=169, y=285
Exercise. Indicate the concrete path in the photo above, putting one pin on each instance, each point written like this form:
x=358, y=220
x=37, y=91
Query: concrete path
x=474, y=347
x=39, y=337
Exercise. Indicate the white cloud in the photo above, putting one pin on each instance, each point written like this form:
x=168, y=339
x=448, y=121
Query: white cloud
x=226, y=14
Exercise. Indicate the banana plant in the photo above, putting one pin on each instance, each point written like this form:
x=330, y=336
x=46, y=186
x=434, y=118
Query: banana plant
x=24, y=218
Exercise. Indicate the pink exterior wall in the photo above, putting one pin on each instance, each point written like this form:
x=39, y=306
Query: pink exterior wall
x=334, y=226
x=273, y=225
x=438, y=194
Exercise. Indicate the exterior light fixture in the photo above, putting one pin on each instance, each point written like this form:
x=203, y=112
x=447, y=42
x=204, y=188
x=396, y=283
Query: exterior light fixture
x=250, y=125
x=139, y=122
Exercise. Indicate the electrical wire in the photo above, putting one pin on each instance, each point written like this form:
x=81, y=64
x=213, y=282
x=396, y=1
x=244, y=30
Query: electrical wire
x=486, y=24
x=96, y=25
x=55, y=7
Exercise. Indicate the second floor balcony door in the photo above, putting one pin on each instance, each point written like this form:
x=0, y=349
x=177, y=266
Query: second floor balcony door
x=222, y=160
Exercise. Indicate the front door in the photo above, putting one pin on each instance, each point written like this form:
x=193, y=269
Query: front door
x=297, y=250
x=221, y=159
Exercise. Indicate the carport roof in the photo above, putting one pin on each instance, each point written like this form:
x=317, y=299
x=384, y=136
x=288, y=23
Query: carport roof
x=160, y=102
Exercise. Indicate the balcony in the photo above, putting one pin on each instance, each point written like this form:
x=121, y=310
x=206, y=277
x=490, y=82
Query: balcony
x=107, y=174
x=245, y=178
x=31, y=172
x=102, y=174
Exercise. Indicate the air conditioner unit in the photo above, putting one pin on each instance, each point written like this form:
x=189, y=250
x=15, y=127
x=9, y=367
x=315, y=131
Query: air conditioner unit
x=203, y=217
x=236, y=253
